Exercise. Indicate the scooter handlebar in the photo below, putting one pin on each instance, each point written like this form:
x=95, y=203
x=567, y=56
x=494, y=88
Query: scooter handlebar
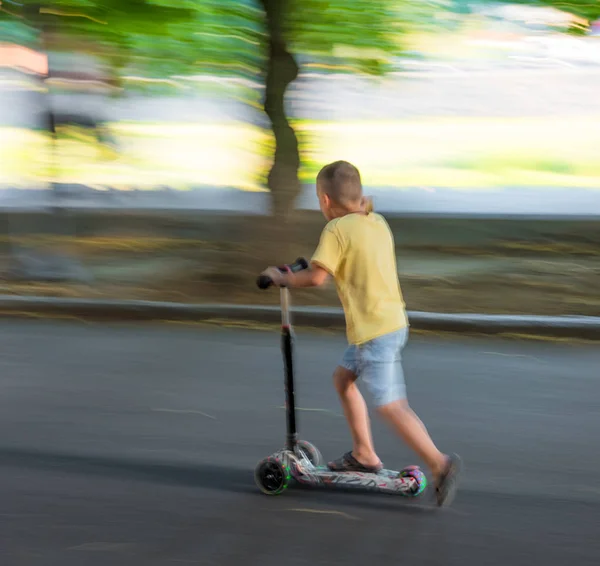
x=264, y=281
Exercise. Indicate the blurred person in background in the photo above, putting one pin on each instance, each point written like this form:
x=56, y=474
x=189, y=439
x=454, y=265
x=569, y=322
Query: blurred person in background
x=78, y=86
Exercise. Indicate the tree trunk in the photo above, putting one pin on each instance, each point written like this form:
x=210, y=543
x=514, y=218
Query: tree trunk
x=271, y=240
x=281, y=71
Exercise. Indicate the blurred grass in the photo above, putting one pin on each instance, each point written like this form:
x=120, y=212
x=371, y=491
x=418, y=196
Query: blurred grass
x=149, y=156
x=460, y=152
x=542, y=288
x=117, y=244
x=466, y=153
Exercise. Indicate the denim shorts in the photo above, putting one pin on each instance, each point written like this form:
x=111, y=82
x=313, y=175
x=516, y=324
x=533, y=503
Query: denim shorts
x=379, y=364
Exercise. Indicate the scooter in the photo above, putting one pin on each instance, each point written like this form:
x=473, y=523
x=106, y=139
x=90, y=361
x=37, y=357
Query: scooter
x=302, y=462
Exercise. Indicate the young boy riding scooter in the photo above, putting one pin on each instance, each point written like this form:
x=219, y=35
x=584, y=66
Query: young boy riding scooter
x=357, y=249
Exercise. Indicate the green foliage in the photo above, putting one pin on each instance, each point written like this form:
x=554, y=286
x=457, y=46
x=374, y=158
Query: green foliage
x=161, y=37
x=361, y=33
x=16, y=32
x=589, y=9
x=223, y=37
x=151, y=37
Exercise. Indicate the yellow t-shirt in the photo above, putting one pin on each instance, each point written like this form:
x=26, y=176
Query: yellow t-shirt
x=358, y=250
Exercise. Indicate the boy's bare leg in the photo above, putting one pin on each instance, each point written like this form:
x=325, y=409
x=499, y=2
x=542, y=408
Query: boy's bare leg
x=408, y=425
x=357, y=415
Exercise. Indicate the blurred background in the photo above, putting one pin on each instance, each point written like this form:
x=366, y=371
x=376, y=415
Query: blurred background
x=162, y=149
x=167, y=150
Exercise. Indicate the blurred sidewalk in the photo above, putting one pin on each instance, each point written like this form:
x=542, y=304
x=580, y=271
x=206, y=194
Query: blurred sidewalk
x=528, y=92
x=553, y=203
x=543, y=93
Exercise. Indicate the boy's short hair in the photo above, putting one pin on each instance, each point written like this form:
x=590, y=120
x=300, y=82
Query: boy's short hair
x=341, y=182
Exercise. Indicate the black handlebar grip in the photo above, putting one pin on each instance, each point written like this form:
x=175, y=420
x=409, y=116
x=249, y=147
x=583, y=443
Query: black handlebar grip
x=299, y=265
x=264, y=281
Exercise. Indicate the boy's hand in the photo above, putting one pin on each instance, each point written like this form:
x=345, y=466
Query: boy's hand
x=275, y=275
x=313, y=277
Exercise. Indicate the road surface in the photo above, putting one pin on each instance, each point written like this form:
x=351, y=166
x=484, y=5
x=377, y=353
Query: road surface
x=128, y=445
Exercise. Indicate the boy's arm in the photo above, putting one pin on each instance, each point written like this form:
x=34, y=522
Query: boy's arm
x=324, y=263
x=314, y=276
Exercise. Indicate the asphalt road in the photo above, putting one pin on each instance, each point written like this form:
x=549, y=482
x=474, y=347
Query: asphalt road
x=124, y=445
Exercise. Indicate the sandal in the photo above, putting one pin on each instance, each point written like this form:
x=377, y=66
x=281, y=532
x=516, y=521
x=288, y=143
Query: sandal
x=348, y=463
x=447, y=483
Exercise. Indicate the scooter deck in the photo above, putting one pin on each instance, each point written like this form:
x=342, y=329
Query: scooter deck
x=385, y=481
x=391, y=474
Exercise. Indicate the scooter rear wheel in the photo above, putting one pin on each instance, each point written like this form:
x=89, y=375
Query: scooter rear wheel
x=311, y=452
x=272, y=476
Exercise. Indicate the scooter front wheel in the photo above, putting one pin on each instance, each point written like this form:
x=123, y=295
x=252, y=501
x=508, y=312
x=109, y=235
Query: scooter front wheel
x=272, y=476
x=311, y=452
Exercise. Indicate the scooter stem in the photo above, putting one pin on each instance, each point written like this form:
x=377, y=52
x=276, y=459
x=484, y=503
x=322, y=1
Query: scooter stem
x=284, y=295
x=287, y=347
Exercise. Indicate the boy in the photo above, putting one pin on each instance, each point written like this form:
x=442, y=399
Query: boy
x=357, y=249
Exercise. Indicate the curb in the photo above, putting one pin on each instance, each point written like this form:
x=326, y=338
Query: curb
x=561, y=326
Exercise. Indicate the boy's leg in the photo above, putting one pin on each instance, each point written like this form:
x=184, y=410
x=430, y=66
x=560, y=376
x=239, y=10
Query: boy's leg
x=382, y=373
x=445, y=469
x=408, y=426
x=357, y=415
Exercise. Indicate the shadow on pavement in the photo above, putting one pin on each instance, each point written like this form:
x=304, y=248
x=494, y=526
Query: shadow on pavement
x=207, y=476
x=202, y=475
